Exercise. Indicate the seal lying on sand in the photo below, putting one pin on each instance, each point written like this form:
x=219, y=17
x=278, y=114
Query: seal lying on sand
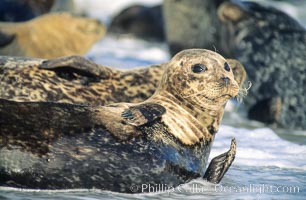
x=50, y=36
x=163, y=140
x=74, y=79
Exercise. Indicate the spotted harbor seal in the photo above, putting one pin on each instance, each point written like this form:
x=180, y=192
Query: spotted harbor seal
x=163, y=140
x=272, y=47
x=74, y=79
x=50, y=36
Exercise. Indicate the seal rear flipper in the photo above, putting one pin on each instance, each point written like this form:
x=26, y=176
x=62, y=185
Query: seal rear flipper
x=143, y=113
x=77, y=64
x=6, y=38
x=220, y=164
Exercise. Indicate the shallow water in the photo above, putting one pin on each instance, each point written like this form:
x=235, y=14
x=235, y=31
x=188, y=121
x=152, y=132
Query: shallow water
x=266, y=167
x=270, y=164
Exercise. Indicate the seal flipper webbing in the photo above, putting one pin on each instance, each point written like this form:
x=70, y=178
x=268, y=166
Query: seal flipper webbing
x=6, y=38
x=143, y=113
x=220, y=164
x=77, y=64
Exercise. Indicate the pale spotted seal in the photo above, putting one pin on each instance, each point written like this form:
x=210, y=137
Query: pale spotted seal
x=50, y=36
x=163, y=140
x=74, y=79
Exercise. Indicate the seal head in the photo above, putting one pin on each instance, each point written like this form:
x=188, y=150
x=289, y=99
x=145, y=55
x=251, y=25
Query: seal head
x=201, y=77
x=196, y=84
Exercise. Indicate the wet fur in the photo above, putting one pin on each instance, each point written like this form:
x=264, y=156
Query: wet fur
x=56, y=145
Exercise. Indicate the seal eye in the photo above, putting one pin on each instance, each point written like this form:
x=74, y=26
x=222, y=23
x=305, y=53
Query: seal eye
x=227, y=67
x=198, y=68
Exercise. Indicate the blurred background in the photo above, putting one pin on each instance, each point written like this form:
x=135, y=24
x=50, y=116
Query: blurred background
x=269, y=39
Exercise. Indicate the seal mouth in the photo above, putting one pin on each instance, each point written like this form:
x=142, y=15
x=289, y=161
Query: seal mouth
x=225, y=96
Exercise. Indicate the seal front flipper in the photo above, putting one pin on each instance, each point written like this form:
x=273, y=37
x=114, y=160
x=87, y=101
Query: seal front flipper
x=143, y=113
x=6, y=38
x=77, y=64
x=220, y=164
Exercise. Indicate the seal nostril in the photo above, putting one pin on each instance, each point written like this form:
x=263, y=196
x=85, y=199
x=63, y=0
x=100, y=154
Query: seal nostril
x=226, y=80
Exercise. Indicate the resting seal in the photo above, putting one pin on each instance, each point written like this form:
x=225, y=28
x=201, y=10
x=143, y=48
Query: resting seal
x=74, y=79
x=163, y=140
x=271, y=45
x=50, y=36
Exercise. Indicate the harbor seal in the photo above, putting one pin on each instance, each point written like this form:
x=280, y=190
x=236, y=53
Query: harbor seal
x=163, y=140
x=271, y=45
x=268, y=42
x=74, y=79
x=50, y=36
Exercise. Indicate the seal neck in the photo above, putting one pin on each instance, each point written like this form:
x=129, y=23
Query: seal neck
x=187, y=122
x=198, y=111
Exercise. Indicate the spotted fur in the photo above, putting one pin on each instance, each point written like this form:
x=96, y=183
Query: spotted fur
x=163, y=140
x=22, y=80
x=61, y=81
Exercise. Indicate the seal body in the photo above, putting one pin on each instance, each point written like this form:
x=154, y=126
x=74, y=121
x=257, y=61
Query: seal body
x=23, y=79
x=91, y=157
x=74, y=79
x=163, y=140
x=271, y=45
x=47, y=36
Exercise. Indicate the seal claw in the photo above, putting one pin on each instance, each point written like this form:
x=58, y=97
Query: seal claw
x=220, y=164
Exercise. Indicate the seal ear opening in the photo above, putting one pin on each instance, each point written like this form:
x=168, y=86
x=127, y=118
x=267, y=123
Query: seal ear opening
x=230, y=12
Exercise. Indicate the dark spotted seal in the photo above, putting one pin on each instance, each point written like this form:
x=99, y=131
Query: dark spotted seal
x=74, y=79
x=50, y=36
x=272, y=47
x=163, y=140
